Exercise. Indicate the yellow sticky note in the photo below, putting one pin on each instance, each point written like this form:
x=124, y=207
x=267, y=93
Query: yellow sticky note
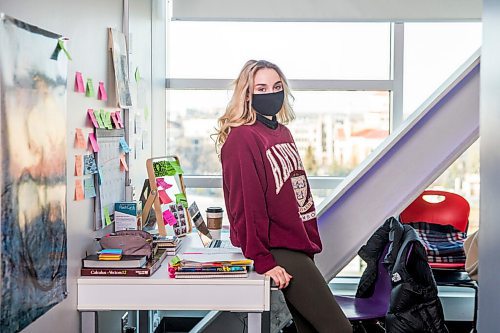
x=78, y=165
x=78, y=190
x=107, y=218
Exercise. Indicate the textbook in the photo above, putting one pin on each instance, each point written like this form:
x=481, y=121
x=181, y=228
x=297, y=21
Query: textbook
x=149, y=269
x=126, y=261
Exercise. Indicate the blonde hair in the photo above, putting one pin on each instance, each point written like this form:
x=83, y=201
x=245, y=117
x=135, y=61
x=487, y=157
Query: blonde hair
x=239, y=111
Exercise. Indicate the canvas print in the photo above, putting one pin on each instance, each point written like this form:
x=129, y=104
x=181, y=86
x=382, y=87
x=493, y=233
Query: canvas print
x=33, y=75
x=120, y=64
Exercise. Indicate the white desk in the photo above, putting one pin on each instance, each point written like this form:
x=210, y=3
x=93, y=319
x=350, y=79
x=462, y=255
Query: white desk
x=159, y=292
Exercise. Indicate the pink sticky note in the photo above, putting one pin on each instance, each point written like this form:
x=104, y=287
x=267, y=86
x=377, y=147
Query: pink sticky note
x=123, y=163
x=93, y=142
x=79, y=83
x=119, y=118
x=164, y=198
x=169, y=218
x=79, y=190
x=115, y=121
x=91, y=115
x=80, y=139
x=160, y=182
x=78, y=165
x=101, y=92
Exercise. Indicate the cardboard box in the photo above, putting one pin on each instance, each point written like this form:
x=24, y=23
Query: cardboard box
x=128, y=215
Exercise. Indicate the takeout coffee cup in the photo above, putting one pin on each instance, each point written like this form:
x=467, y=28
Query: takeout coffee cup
x=214, y=221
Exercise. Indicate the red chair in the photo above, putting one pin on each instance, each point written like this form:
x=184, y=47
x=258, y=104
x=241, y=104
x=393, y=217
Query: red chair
x=454, y=211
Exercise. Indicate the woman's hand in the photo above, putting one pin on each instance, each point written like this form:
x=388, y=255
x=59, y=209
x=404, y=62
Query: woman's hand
x=279, y=276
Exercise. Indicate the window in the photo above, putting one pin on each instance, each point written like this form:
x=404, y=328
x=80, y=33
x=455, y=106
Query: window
x=433, y=51
x=303, y=50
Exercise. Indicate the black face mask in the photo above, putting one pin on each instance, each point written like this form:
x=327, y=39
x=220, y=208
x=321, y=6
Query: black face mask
x=268, y=104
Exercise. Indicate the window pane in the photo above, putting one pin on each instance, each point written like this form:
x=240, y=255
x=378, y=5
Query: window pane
x=434, y=51
x=334, y=130
x=303, y=50
x=462, y=177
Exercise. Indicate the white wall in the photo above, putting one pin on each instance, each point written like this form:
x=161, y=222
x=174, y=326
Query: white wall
x=85, y=23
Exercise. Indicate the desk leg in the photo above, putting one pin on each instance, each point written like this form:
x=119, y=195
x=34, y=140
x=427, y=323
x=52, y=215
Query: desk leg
x=254, y=322
x=88, y=322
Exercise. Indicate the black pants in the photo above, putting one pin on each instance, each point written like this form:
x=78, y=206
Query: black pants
x=308, y=296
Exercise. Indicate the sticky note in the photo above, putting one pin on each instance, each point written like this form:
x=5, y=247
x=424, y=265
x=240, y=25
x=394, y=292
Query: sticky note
x=123, y=163
x=115, y=121
x=90, y=88
x=79, y=83
x=101, y=92
x=89, y=188
x=177, y=167
x=78, y=165
x=160, y=182
x=89, y=165
x=164, y=198
x=78, y=190
x=92, y=118
x=107, y=218
x=146, y=113
x=93, y=142
x=97, y=116
x=119, y=118
x=107, y=119
x=137, y=75
x=80, y=139
x=124, y=146
x=169, y=218
x=61, y=45
x=181, y=198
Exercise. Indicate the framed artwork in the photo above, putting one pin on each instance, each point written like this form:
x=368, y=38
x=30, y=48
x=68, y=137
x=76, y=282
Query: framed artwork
x=33, y=76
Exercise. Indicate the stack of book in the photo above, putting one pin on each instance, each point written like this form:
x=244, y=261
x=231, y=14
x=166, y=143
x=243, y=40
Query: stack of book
x=170, y=243
x=128, y=265
x=209, y=265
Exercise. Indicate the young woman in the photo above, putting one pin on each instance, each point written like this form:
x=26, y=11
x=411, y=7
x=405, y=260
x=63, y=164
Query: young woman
x=268, y=198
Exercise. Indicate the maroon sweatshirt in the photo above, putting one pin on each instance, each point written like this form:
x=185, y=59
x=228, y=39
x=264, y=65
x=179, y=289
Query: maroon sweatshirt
x=267, y=194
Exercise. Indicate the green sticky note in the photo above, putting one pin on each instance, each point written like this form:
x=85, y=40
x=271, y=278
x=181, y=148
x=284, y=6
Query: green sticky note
x=175, y=260
x=137, y=75
x=177, y=167
x=61, y=45
x=107, y=218
x=163, y=168
x=97, y=115
x=89, y=91
x=146, y=113
x=107, y=119
x=181, y=198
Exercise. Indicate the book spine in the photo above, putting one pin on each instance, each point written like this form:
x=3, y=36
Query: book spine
x=145, y=272
x=213, y=269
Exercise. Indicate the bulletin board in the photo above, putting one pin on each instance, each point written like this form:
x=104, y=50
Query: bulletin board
x=111, y=176
x=167, y=196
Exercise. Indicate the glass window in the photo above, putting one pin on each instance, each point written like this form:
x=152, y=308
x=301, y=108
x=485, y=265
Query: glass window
x=303, y=50
x=462, y=177
x=432, y=52
x=334, y=130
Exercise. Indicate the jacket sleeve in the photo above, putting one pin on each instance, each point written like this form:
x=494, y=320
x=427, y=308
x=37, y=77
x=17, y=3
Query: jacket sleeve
x=244, y=185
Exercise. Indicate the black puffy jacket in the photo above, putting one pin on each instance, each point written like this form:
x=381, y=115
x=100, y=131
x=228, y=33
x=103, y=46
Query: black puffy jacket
x=414, y=304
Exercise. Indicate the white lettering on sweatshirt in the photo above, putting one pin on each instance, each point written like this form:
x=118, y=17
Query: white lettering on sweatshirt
x=284, y=159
